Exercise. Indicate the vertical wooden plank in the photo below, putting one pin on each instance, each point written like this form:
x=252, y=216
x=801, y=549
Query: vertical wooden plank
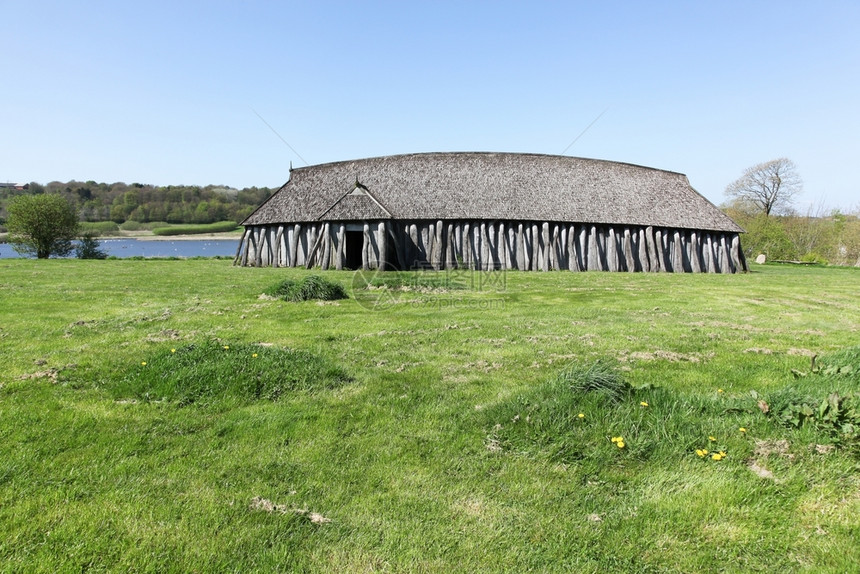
x=583, y=247
x=725, y=257
x=651, y=243
x=413, y=249
x=467, y=246
x=294, y=245
x=738, y=254
x=627, y=247
x=325, y=246
x=678, y=253
x=611, y=249
x=237, y=259
x=572, y=256
x=366, y=246
x=382, y=242
x=642, y=251
x=546, y=247
x=519, y=256
x=502, y=246
x=452, y=251
x=662, y=257
x=593, y=251
x=437, y=253
x=485, y=247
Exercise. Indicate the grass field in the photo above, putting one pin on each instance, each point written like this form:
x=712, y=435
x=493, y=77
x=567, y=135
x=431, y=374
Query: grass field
x=160, y=416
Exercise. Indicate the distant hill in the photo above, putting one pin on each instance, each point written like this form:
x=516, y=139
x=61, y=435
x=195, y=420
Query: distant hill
x=120, y=202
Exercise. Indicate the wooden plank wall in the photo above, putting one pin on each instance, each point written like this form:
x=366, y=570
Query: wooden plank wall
x=486, y=245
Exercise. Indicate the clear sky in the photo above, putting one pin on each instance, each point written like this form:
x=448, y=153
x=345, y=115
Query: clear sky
x=184, y=92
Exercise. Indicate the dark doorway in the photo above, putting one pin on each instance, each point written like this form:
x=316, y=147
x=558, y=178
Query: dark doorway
x=354, y=245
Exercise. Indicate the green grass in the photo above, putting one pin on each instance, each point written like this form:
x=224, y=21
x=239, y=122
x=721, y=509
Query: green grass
x=99, y=227
x=196, y=228
x=439, y=432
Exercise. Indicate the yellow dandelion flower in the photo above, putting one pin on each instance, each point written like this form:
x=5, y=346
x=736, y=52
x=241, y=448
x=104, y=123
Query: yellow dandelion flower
x=580, y=415
x=643, y=404
x=620, y=444
x=226, y=347
x=742, y=429
x=617, y=439
x=143, y=363
x=254, y=355
x=701, y=452
x=717, y=456
x=712, y=439
x=172, y=350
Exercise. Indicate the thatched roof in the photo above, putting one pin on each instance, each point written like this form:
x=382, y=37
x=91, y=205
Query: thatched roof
x=491, y=186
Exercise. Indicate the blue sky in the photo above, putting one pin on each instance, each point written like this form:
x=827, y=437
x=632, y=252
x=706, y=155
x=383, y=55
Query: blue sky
x=174, y=92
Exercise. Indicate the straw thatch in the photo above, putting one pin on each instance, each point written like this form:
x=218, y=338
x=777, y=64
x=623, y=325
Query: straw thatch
x=491, y=210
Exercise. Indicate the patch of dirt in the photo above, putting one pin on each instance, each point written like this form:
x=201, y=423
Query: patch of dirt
x=164, y=335
x=760, y=470
x=660, y=355
x=483, y=366
x=765, y=448
x=51, y=373
x=759, y=351
x=264, y=505
x=802, y=352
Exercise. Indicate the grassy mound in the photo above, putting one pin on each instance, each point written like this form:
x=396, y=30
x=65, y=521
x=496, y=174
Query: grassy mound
x=217, y=371
x=590, y=413
x=309, y=288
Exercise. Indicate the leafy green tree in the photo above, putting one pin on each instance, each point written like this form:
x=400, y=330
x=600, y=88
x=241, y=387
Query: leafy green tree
x=42, y=225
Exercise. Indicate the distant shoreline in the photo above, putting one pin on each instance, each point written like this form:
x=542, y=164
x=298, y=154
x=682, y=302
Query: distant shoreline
x=150, y=236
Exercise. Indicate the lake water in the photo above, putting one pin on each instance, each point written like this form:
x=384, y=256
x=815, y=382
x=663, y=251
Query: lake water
x=155, y=248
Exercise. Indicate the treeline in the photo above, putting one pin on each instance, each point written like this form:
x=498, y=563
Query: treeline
x=832, y=238
x=143, y=203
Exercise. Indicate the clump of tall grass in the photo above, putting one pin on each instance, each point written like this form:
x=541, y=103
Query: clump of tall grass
x=598, y=377
x=310, y=288
x=212, y=370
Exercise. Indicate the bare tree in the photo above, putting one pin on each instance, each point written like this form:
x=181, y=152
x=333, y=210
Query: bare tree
x=771, y=186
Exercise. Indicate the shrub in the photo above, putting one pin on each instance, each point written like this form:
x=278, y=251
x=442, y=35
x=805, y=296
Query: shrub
x=88, y=247
x=311, y=287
